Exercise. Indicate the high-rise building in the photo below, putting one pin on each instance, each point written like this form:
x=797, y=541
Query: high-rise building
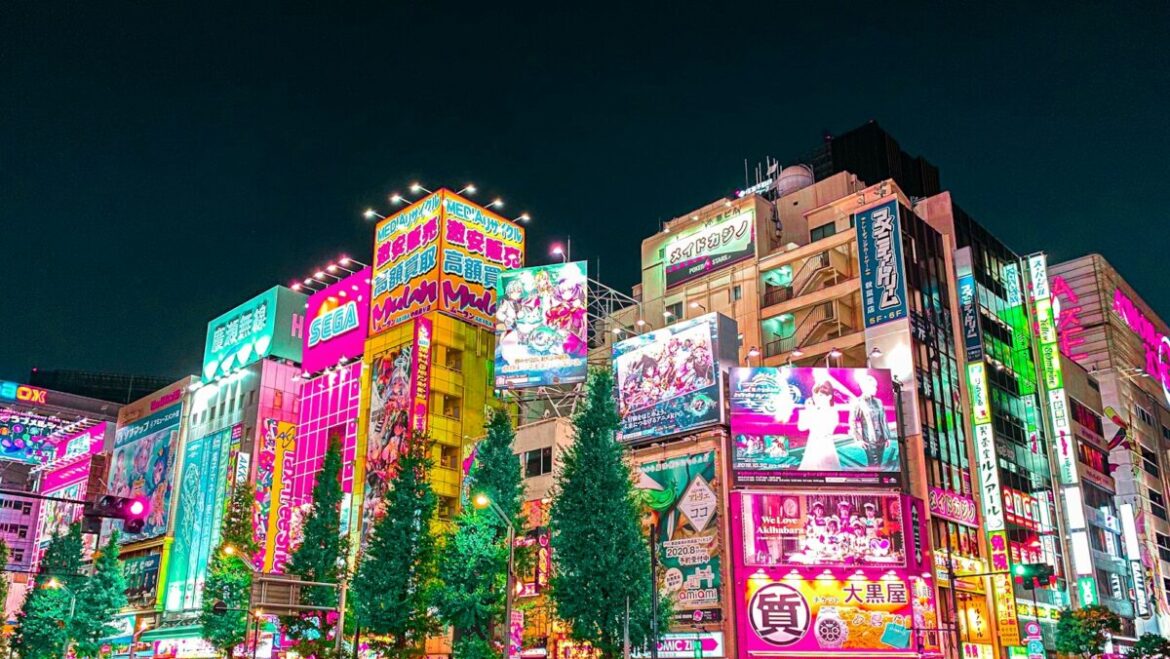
x=873, y=155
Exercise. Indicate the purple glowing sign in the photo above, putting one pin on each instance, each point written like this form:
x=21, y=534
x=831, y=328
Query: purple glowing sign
x=338, y=317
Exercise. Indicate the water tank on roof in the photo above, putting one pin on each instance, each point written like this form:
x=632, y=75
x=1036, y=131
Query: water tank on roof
x=793, y=178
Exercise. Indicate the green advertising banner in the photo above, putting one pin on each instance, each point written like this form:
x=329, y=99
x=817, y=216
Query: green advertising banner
x=203, y=493
x=268, y=325
x=683, y=492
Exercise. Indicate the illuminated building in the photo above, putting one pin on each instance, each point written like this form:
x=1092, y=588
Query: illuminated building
x=1106, y=327
x=44, y=434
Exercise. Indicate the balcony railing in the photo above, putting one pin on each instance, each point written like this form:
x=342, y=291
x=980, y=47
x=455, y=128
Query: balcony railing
x=814, y=319
x=800, y=281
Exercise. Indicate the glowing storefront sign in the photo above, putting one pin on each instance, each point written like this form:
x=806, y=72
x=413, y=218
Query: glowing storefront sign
x=1156, y=343
x=1067, y=309
x=883, y=277
x=338, y=317
x=420, y=375
x=985, y=455
x=1007, y=618
x=953, y=506
x=1065, y=441
x=406, y=257
x=697, y=252
x=268, y=325
x=22, y=393
x=968, y=304
x=980, y=396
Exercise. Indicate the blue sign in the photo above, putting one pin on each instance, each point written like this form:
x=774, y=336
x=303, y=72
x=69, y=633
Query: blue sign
x=968, y=304
x=883, y=276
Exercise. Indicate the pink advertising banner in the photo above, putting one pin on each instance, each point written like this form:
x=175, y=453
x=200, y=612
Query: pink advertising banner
x=84, y=442
x=953, y=506
x=848, y=611
x=338, y=319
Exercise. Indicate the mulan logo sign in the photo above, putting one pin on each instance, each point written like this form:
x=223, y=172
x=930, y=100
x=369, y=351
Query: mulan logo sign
x=333, y=323
x=968, y=304
x=883, y=278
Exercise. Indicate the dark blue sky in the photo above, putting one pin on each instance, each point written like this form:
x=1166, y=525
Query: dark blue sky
x=160, y=162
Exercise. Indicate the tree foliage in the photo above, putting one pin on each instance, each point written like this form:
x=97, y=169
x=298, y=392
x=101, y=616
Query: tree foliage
x=395, y=579
x=42, y=630
x=1151, y=646
x=473, y=560
x=320, y=557
x=229, y=575
x=1083, y=631
x=602, y=557
x=100, y=599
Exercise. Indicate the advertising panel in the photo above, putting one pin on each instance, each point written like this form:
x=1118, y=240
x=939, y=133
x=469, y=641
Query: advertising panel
x=668, y=380
x=968, y=304
x=141, y=574
x=268, y=325
x=683, y=494
x=478, y=246
x=703, y=250
x=406, y=258
x=1156, y=344
x=141, y=466
x=389, y=427
x=25, y=437
x=814, y=425
x=541, y=326
x=338, y=318
x=203, y=493
x=798, y=529
x=883, y=277
x=420, y=375
x=953, y=506
x=272, y=509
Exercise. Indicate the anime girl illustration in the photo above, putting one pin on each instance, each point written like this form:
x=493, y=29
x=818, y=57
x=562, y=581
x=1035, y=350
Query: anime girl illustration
x=389, y=417
x=567, y=315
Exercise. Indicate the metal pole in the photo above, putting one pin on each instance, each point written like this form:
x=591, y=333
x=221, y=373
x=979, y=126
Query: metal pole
x=510, y=586
x=341, y=615
x=357, y=634
x=255, y=634
x=654, y=587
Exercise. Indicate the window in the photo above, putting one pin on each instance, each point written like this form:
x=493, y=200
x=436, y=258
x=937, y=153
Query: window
x=453, y=360
x=451, y=406
x=1165, y=433
x=1157, y=504
x=448, y=456
x=538, y=462
x=736, y=292
x=445, y=507
x=17, y=555
x=823, y=231
x=1144, y=415
x=1150, y=463
x=673, y=312
x=1164, y=546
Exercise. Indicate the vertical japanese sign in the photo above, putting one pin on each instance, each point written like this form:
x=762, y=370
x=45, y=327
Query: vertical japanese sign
x=985, y=455
x=406, y=257
x=682, y=493
x=420, y=374
x=1063, y=439
x=968, y=304
x=883, y=277
x=277, y=536
x=478, y=246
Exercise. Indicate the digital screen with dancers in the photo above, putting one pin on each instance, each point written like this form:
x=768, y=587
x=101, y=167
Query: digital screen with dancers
x=814, y=425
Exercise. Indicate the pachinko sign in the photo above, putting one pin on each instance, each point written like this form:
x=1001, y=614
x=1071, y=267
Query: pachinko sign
x=441, y=253
x=1156, y=344
x=697, y=252
x=268, y=325
x=797, y=529
x=338, y=317
x=542, y=326
x=883, y=277
x=668, y=379
x=141, y=466
x=813, y=425
x=682, y=494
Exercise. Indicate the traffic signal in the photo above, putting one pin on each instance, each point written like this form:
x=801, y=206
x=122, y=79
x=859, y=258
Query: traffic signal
x=1031, y=575
x=131, y=510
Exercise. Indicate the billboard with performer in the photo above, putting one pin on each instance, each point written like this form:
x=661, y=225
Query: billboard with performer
x=814, y=425
x=542, y=326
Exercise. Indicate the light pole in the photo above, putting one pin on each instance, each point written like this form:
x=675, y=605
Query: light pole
x=481, y=501
x=56, y=584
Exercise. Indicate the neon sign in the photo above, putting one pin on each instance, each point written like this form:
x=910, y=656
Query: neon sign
x=333, y=323
x=1068, y=318
x=22, y=393
x=1156, y=343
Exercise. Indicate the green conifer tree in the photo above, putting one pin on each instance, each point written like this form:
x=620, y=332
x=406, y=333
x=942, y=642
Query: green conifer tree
x=100, y=599
x=229, y=575
x=320, y=557
x=473, y=560
x=393, y=588
x=42, y=630
x=602, y=557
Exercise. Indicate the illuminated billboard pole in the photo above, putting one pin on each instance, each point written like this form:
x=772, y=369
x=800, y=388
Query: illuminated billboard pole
x=1060, y=429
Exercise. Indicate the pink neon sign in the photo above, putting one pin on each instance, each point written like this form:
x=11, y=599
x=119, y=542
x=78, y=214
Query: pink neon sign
x=1156, y=343
x=1069, y=327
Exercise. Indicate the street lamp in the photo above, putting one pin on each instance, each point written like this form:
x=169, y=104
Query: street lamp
x=696, y=305
x=481, y=501
x=55, y=584
x=371, y=214
x=832, y=354
x=559, y=251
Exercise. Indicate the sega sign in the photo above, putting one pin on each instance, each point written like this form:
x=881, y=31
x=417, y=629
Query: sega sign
x=22, y=393
x=338, y=317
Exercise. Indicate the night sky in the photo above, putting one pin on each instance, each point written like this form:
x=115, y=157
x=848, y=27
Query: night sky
x=161, y=162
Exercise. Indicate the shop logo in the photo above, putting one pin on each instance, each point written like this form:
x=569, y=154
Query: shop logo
x=1156, y=343
x=22, y=393
x=164, y=400
x=779, y=614
x=333, y=323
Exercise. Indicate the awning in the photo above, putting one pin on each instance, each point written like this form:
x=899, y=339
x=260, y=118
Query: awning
x=167, y=633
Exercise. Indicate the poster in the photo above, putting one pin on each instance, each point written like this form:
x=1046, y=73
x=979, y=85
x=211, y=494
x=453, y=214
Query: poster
x=389, y=428
x=829, y=529
x=141, y=465
x=814, y=425
x=272, y=509
x=542, y=326
x=668, y=379
x=683, y=493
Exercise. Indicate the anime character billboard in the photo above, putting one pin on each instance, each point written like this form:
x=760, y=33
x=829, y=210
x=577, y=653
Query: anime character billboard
x=141, y=466
x=668, y=380
x=541, y=326
x=390, y=397
x=814, y=425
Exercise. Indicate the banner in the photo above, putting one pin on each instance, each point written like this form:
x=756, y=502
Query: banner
x=542, y=326
x=389, y=426
x=706, y=249
x=141, y=465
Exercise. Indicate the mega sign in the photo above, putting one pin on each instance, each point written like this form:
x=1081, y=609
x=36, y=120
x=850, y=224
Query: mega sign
x=268, y=325
x=1156, y=344
x=442, y=252
x=338, y=317
x=883, y=277
x=697, y=252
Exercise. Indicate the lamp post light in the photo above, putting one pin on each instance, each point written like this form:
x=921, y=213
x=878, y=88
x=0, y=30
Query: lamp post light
x=832, y=354
x=696, y=305
x=55, y=584
x=481, y=501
